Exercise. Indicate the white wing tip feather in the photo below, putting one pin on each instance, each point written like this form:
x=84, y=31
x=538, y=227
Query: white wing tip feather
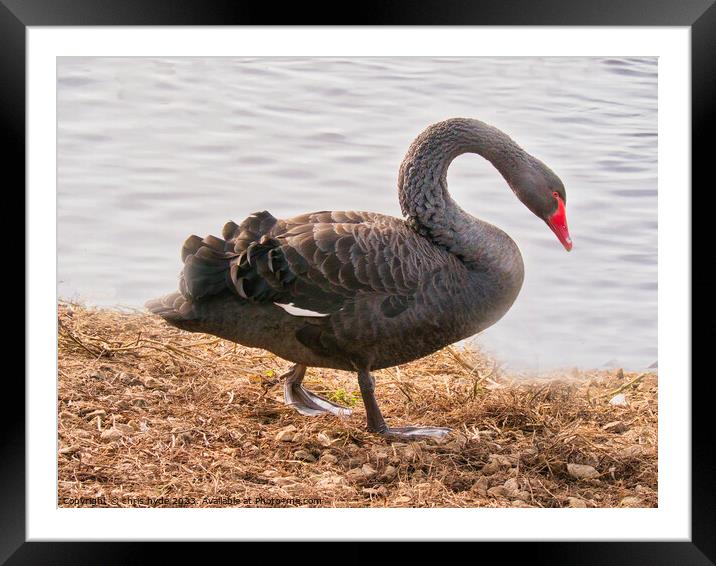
x=297, y=311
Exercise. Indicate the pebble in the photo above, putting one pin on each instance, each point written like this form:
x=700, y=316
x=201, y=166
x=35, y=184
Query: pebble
x=619, y=400
x=390, y=472
x=99, y=376
x=496, y=463
x=323, y=439
x=513, y=491
x=576, y=502
x=329, y=458
x=368, y=471
x=480, y=486
x=356, y=462
x=286, y=434
x=70, y=449
x=497, y=491
x=111, y=434
x=128, y=378
x=615, y=426
x=582, y=471
x=304, y=455
x=355, y=474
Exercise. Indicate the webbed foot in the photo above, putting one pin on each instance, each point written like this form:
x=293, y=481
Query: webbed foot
x=376, y=422
x=415, y=432
x=306, y=402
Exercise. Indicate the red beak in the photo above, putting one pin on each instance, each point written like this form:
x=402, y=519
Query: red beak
x=558, y=223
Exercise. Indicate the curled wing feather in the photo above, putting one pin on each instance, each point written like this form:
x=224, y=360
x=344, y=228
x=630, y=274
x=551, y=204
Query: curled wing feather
x=322, y=261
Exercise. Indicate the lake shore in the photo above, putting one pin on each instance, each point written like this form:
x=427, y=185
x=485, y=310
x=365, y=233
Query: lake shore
x=150, y=416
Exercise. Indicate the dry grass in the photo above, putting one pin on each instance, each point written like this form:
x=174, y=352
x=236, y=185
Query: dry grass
x=152, y=416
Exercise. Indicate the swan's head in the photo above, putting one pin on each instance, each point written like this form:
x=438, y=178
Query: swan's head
x=537, y=186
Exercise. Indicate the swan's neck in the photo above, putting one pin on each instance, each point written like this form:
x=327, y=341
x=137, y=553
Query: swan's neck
x=424, y=196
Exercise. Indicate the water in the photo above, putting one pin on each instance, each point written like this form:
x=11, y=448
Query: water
x=151, y=150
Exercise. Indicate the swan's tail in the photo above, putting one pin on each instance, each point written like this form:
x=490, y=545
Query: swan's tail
x=205, y=273
x=176, y=309
x=207, y=268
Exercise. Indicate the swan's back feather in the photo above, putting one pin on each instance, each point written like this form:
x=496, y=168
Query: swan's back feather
x=316, y=262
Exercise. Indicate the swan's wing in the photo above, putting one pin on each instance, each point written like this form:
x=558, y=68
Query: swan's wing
x=312, y=265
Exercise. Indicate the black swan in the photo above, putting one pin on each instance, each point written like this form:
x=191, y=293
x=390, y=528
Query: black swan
x=361, y=291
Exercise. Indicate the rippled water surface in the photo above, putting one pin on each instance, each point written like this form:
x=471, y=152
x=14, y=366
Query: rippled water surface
x=151, y=150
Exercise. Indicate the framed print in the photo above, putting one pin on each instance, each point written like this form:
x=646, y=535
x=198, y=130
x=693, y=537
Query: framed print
x=353, y=351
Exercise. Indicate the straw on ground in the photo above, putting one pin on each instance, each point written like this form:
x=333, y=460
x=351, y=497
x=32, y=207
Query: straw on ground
x=152, y=416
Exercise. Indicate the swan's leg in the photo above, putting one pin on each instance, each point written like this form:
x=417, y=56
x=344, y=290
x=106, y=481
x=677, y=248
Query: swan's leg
x=376, y=422
x=304, y=401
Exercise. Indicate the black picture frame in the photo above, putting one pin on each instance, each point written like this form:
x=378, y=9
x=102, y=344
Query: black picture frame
x=698, y=15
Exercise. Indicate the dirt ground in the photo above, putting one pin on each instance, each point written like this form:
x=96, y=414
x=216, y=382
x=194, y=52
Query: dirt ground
x=150, y=416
